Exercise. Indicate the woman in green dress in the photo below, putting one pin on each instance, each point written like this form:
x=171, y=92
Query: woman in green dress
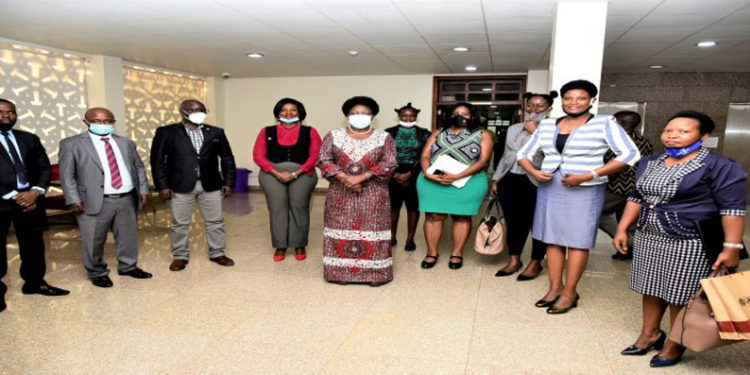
x=463, y=139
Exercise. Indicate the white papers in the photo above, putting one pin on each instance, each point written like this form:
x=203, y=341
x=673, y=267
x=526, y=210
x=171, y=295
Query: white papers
x=450, y=165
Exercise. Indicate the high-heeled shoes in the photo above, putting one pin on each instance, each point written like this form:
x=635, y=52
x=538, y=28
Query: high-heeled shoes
x=562, y=310
x=544, y=304
x=659, y=361
x=658, y=345
x=299, y=253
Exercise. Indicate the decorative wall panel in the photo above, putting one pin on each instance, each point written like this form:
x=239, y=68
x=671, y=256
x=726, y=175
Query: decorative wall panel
x=49, y=92
x=152, y=99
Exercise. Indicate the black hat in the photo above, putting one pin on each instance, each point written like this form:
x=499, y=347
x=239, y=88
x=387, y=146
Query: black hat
x=581, y=84
x=407, y=106
x=363, y=100
x=300, y=108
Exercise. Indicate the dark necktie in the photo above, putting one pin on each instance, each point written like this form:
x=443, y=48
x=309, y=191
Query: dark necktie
x=114, y=170
x=20, y=170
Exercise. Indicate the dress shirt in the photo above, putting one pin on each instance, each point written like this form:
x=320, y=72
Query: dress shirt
x=286, y=137
x=7, y=149
x=127, y=180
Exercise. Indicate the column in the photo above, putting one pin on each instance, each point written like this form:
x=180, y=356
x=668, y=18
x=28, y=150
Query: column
x=537, y=81
x=577, y=50
x=104, y=87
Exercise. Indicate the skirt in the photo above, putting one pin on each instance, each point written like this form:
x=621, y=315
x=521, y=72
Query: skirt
x=567, y=216
x=448, y=199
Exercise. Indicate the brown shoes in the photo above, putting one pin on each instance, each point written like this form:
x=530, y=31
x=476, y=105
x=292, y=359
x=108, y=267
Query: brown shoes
x=178, y=265
x=223, y=261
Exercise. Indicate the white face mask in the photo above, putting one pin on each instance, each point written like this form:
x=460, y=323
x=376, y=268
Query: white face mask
x=360, y=121
x=289, y=120
x=536, y=116
x=197, y=117
x=407, y=124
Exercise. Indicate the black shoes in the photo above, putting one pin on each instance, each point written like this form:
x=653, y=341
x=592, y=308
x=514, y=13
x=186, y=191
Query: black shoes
x=501, y=273
x=45, y=290
x=456, y=265
x=102, y=281
x=136, y=273
x=659, y=361
x=620, y=256
x=562, y=310
x=658, y=344
x=522, y=277
x=410, y=246
x=427, y=265
x=545, y=304
x=3, y=306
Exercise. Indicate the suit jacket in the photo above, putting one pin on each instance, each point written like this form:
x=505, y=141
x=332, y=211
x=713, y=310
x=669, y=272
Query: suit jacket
x=36, y=163
x=82, y=172
x=174, y=162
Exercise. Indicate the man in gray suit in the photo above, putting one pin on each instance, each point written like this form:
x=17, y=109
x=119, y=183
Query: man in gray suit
x=104, y=182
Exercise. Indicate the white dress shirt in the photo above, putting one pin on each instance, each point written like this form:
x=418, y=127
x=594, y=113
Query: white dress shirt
x=19, y=184
x=127, y=180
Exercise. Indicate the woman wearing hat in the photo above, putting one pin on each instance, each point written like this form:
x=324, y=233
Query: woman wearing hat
x=572, y=181
x=463, y=139
x=286, y=154
x=358, y=161
x=402, y=188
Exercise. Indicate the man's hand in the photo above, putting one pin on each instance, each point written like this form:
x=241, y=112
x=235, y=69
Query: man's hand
x=30, y=208
x=166, y=194
x=77, y=208
x=226, y=191
x=27, y=198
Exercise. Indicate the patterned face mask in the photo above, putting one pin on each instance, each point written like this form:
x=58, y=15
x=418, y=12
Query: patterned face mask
x=677, y=153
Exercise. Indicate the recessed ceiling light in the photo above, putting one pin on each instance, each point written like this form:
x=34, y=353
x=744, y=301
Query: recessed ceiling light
x=706, y=44
x=656, y=66
x=44, y=52
x=353, y=52
x=461, y=49
x=254, y=55
x=471, y=68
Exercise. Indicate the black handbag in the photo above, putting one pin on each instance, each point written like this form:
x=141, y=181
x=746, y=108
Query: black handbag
x=711, y=232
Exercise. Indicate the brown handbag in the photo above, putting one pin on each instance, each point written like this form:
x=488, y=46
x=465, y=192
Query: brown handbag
x=695, y=326
x=490, y=239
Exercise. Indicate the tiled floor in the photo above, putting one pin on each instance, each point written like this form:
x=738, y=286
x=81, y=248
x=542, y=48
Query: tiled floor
x=262, y=317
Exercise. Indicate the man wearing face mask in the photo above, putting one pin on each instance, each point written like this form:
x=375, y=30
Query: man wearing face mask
x=104, y=183
x=402, y=188
x=24, y=176
x=184, y=162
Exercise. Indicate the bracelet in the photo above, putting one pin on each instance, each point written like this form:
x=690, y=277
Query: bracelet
x=595, y=176
x=734, y=245
x=294, y=175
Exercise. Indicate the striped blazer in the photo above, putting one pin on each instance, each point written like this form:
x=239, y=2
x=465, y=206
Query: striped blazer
x=584, y=151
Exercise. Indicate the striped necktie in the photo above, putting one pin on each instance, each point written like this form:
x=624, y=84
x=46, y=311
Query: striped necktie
x=114, y=171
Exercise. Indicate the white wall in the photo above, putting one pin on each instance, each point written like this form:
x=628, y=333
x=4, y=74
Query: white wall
x=248, y=104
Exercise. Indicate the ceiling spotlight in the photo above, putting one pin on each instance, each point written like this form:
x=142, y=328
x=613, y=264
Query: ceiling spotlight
x=656, y=66
x=706, y=44
x=44, y=52
x=353, y=52
x=461, y=49
x=471, y=68
x=254, y=55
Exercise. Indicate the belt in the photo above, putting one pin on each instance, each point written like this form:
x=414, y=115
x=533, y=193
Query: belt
x=118, y=195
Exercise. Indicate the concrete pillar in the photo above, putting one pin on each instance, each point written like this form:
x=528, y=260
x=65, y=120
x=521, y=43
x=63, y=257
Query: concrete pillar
x=577, y=50
x=104, y=87
x=537, y=81
x=215, y=100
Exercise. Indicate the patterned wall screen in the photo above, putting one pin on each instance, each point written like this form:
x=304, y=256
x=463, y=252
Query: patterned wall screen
x=49, y=91
x=152, y=99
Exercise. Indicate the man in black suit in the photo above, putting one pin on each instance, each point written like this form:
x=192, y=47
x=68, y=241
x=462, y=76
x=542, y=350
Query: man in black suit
x=185, y=165
x=24, y=176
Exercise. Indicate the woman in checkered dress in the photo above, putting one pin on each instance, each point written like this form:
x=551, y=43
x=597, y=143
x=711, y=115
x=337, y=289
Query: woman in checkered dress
x=675, y=189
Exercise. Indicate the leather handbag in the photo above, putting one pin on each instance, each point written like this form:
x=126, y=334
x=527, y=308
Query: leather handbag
x=695, y=326
x=490, y=239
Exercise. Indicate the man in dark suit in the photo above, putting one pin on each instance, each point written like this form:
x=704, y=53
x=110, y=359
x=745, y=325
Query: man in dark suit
x=104, y=182
x=24, y=177
x=185, y=165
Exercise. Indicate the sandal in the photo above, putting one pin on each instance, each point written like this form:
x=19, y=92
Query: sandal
x=456, y=265
x=428, y=265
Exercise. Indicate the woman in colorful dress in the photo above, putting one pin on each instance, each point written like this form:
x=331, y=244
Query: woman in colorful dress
x=674, y=190
x=286, y=154
x=358, y=161
x=463, y=139
x=402, y=188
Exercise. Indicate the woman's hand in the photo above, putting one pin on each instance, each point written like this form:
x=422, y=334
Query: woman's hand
x=729, y=258
x=447, y=178
x=402, y=178
x=571, y=179
x=283, y=177
x=530, y=126
x=620, y=241
x=349, y=181
x=541, y=177
x=493, y=188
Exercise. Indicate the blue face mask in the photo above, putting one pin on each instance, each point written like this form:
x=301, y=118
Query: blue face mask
x=680, y=152
x=101, y=129
x=289, y=120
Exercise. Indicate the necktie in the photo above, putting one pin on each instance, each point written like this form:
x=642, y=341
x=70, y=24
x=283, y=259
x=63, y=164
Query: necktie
x=20, y=170
x=114, y=171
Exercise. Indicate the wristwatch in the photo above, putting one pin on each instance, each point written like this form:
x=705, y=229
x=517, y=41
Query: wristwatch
x=294, y=175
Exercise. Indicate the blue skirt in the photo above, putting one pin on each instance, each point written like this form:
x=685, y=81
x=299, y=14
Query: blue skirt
x=568, y=216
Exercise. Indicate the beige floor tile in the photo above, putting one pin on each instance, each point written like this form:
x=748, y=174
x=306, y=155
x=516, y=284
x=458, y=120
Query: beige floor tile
x=387, y=365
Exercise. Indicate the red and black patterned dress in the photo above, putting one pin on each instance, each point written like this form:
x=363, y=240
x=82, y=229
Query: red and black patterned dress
x=357, y=233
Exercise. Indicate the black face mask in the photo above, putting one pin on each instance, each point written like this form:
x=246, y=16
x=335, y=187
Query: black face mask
x=459, y=121
x=6, y=127
x=577, y=115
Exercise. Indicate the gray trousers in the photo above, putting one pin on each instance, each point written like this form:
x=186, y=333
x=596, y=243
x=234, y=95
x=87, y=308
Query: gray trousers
x=614, y=206
x=209, y=204
x=289, y=206
x=118, y=215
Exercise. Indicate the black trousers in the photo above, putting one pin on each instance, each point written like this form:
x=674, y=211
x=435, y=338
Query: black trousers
x=29, y=228
x=518, y=199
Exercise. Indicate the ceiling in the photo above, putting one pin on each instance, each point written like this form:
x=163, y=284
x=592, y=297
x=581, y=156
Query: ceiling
x=313, y=37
